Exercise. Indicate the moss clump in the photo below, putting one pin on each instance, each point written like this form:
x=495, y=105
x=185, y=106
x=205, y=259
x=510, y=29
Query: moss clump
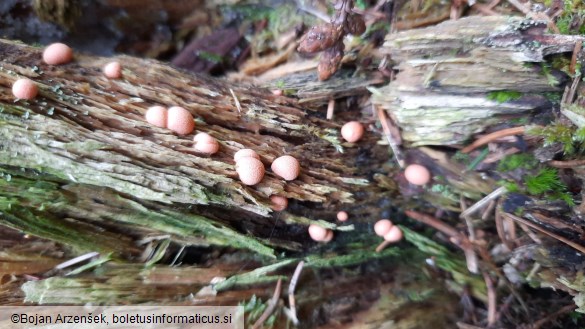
x=515, y=161
x=547, y=182
x=502, y=96
x=572, y=139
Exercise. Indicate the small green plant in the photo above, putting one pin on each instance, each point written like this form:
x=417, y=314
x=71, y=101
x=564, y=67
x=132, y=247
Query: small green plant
x=502, y=96
x=572, y=139
x=551, y=79
x=547, y=180
x=515, y=161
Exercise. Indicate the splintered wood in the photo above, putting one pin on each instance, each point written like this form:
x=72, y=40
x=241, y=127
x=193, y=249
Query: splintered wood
x=460, y=77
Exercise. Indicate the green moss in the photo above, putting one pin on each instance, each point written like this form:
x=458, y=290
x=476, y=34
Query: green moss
x=514, y=161
x=573, y=140
x=547, y=182
x=510, y=186
x=210, y=57
x=502, y=96
x=464, y=158
x=551, y=79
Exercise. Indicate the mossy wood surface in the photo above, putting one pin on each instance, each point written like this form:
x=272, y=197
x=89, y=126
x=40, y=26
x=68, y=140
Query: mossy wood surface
x=80, y=164
x=470, y=74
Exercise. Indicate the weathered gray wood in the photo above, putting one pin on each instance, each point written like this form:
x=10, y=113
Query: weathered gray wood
x=449, y=74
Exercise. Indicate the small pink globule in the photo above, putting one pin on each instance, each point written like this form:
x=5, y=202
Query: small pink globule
x=382, y=227
x=207, y=147
x=317, y=232
x=250, y=170
x=180, y=120
x=279, y=203
x=417, y=175
x=244, y=153
x=393, y=235
x=157, y=115
x=57, y=53
x=342, y=216
x=328, y=237
x=286, y=167
x=113, y=70
x=25, y=89
x=352, y=131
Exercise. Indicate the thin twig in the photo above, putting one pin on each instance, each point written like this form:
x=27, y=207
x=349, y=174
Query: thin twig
x=569, y=94
x=493, y=136
x=492, y=299
x=532, y=272
x=570, y=243
x=479, y=204
x=238, y=106
x=470, y=229
x=456, y=237
x=385, y=122
x=271, y=306
x=501, y=228
x=566, y=164
x=76, y=260
x=576, y=51
x=550, y=317
x=291, y=292
x=330, y=108
x=488, y=210
x=178, y=255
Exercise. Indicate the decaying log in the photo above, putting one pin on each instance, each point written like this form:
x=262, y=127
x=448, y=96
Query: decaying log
x=453, y=73
x=80, y=159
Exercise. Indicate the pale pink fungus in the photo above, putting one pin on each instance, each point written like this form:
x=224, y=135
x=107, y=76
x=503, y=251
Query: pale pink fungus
x=352, y=131
x=180, y=120
x=328, y=237
x=382, y=227
x=113, y=70
x=244, y=153
x=394, y=234
x=417, y=174
x=317, y=232
x=277, y=92
x=208, y=146
x=279, y=203
x=57, y=53
x=342, y=216
x=25, y=89
x=157, y=115
x=250, y=170
x=203, y=137
x=286, y=167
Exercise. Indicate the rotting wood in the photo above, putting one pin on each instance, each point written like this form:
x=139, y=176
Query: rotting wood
x=80, y=159
x=452, y=73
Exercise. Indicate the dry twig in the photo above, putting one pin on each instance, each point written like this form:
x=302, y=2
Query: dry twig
x=271, y=306
x=291, y=292
x=568, y=242
x=493, y=136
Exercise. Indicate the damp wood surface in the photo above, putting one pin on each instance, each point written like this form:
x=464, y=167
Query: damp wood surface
x=84, y=141
x=452, y=74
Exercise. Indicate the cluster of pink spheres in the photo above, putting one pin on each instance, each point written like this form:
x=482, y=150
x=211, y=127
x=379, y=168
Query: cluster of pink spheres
x=251, y=172
x=57, y=54
x=352, y=132
x=387, y=230
x=248, y=165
